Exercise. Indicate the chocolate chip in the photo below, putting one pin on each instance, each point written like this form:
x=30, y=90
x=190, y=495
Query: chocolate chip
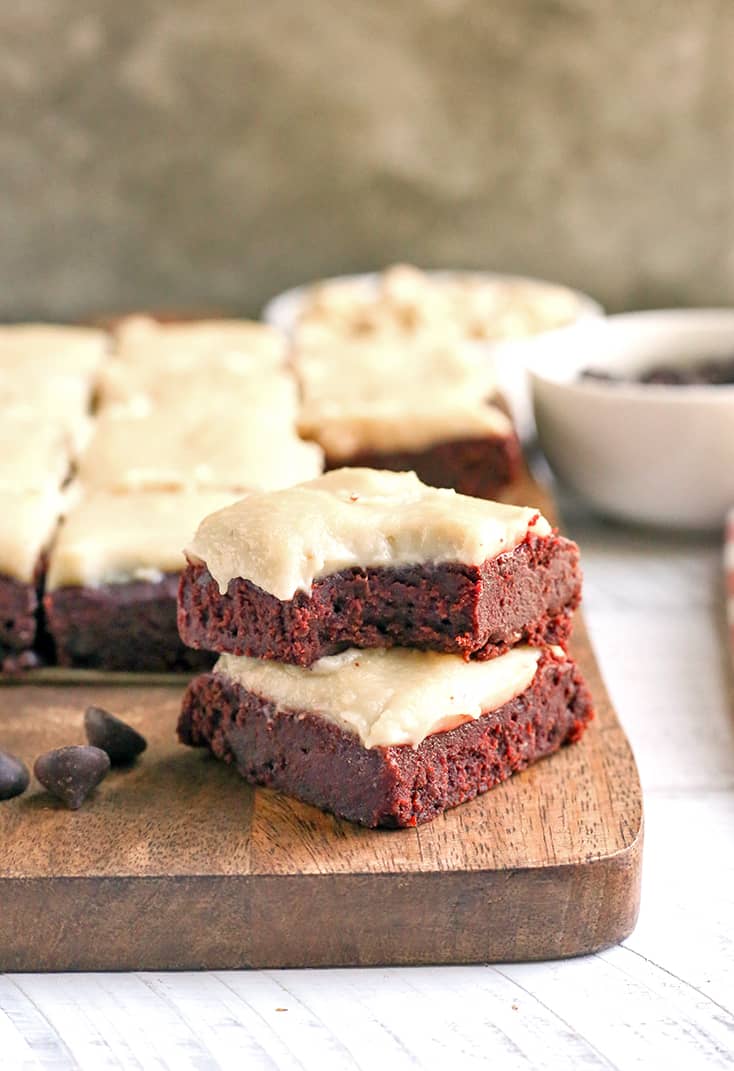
x=121, y=742
x=72, y=772
x=14, y=776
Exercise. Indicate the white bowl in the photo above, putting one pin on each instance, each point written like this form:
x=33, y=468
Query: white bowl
x=661, y=455
x=510, y=355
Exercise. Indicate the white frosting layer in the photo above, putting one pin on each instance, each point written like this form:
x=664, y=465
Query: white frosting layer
x=396, y=395
x=396, y=696
x=354, y=517
x=215, y=447
x=34, y=455
x=52, y=348
x=40, y=385
x=374, y=369
x=145, y=387
x=28, y=523
x=115, y=538
x=392, y=426
x=239, y=344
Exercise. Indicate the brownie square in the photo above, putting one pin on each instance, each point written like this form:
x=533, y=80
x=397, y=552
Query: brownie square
x=302, y=754
x=120, y=627
x=478, y=467
x=110, y=600
x=526, y=595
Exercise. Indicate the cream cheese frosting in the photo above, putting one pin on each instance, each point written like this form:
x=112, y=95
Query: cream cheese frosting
x=215, y=447
x=48, y=389
x=374, y=369
x=145, y=387
x=285, y=540
x=392, y=425
x=111, y=538
x=386, y=697
x=37, y=348
x=28, y=524
x=239, y=343
x=34, y=456
x=398, y=395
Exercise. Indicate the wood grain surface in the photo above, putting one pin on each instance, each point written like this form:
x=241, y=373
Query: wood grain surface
x=177, y=863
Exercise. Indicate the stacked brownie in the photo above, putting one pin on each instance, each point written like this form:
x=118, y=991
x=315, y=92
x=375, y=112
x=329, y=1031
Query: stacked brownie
x=111, y=445
x=408, y=404
x=387, y=649
x=189, y=417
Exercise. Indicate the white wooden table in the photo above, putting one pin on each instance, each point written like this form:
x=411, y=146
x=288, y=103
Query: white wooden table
x=665, y=998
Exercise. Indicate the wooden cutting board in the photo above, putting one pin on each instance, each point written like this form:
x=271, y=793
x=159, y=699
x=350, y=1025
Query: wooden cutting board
x=178, y=864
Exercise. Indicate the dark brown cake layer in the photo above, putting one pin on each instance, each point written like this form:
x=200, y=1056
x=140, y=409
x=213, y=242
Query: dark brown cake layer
x=478, y=467
x=527, y=595
x=120, y=627
x=18, y=622
x=308, y=757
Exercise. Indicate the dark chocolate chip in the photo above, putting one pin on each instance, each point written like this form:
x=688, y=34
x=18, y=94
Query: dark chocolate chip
x=121, y=742
x=14, y=776
x=716, y=371
x=72, y=772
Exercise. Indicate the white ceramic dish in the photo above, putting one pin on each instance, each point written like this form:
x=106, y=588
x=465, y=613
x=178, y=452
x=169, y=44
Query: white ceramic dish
x=660, y=455
x=510, y=355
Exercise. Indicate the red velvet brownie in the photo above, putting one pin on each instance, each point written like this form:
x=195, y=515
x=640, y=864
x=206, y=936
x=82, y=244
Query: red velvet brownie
x=358, y=558
x=112, y=580
x=480, y=467
x=402, y=405
x=387, y=738
x=19, y=610
x=29, y=521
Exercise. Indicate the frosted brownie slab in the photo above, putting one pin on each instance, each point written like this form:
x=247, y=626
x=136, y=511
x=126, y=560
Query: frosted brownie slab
x=113, y=572
x=406, y=375
x=362, y=558
x=386, y=738
x=183, y=346
x=213, y=446
x=409, y=405
x=28, y=524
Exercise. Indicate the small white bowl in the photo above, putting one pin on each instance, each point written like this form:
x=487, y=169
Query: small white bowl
x=661, y=455
x=510, y=355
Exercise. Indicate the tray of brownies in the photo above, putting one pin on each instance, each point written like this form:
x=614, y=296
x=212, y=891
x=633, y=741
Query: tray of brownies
x=319, y=559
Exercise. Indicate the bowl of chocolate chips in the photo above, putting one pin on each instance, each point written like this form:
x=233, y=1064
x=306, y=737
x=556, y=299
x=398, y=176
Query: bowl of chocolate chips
x=635, y=412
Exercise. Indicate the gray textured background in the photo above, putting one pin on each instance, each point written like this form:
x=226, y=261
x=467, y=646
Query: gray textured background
x=212, y=152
